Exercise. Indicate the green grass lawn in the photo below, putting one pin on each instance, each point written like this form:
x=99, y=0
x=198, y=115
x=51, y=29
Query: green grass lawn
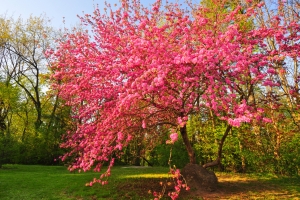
x=55, y=182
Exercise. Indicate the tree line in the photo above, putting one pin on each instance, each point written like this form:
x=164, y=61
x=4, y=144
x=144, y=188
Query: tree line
x=31, y=116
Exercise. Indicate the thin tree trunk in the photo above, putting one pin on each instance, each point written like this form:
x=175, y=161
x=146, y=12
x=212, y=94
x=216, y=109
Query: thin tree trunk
x=188, y=145
x=242, y=157
x=147, y=161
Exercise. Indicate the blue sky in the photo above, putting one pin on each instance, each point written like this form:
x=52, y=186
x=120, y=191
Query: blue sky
x=55, y=10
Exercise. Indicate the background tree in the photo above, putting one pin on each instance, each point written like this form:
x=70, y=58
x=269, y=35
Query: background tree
x=24, y=67
x=281, y=102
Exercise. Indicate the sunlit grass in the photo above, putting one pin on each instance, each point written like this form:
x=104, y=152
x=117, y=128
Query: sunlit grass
x=151, y=175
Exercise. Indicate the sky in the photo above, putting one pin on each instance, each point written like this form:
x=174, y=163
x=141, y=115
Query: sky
x=56, y=10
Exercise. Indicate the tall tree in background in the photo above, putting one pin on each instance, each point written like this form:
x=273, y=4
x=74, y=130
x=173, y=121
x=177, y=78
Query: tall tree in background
x=282, y=103
x=24, y=60
x=24, y=66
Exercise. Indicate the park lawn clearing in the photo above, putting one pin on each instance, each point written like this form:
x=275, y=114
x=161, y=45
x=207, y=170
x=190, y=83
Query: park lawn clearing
x=22, y=182
x=56, y=182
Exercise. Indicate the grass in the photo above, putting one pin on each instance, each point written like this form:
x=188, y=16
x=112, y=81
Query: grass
x=56, y=182
x=22, y=182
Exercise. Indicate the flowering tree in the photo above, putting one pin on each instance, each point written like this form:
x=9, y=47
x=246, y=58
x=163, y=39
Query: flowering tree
x=144, y=69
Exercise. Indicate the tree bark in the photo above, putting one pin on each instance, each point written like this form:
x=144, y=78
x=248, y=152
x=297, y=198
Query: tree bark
x=188, y=145
x=147, y=161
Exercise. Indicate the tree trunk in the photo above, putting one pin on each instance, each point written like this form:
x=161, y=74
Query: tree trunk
x=188, y=145
x=147, y=161
x=242, y=157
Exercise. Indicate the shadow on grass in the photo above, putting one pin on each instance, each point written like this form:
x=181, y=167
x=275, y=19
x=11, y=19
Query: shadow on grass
x=143, y=188
x=230, y=187
x=290, y=183
x=250, y=188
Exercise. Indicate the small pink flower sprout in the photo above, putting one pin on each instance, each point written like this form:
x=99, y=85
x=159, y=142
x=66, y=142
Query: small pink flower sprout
x=173, y=138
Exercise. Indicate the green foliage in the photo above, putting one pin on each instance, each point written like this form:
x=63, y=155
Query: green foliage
x=249, y=148
x=8, y=150
x=161, y=154
x=217, y=9
x=20, y=142
x=256, y=150
x=289, y=162
x=8, y=143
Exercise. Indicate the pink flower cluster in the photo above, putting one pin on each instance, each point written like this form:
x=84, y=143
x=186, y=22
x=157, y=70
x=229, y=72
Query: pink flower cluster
x=173, y=137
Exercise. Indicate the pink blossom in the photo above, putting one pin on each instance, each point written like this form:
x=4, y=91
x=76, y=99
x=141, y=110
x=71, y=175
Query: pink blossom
x=237, y=121
x=271, y=71
x=120, y=136
x=267, y=120
x=181, y=121
x=119, y=147
x=144, y=124
x=174, y=137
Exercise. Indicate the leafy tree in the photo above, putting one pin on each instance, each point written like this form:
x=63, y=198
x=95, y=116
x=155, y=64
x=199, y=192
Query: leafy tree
x=38, y=120
x=24, y=58
x=280, y=103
